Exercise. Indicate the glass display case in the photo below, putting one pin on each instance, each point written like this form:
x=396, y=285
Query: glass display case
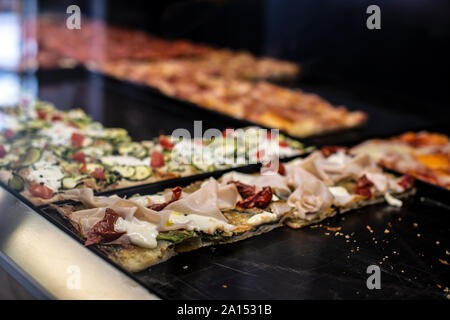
x=125, y=78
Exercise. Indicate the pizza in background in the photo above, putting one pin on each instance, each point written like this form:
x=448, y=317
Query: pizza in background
x=424, y=155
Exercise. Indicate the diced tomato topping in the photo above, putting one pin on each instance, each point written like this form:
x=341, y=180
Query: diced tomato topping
x=228, y=132
x=157, y=159
x=363, y=187
x=57, y=117
x=176, y=194
x=2, y=151
x=165, y=142
x=98, y=174
x=407, y=181
x=260, y=155
x=77, y=139
x=40, y=191
x=83, y=168
x=283, y=144
x=8, y=134
x=79, y=157
x=42, y=114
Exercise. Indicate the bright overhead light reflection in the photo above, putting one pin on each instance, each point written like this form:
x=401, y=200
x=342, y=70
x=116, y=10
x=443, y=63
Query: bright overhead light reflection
x=10, y=84
x=9, y=40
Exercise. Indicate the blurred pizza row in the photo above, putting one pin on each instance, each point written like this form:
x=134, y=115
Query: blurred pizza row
x=227, y=81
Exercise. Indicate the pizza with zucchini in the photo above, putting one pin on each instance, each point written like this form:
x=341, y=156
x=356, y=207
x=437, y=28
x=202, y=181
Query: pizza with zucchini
x=143, y=230
x=424, y=155
x=45, y=151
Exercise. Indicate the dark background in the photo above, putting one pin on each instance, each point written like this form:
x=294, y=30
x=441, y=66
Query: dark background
x=402, y=66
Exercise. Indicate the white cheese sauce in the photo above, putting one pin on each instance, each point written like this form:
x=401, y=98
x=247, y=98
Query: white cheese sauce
x=59, y=133
x=140, y=233
x=200, y=223
x=47, y=173
x=124, y=161
x=261, y=218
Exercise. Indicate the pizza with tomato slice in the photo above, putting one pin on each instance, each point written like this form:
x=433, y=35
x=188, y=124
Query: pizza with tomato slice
x=424, y=155
x=143, y=230
x=298, y=113
x=61, y=47
x=45, y=151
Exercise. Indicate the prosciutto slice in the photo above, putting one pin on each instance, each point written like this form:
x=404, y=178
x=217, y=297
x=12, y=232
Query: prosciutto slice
x=338, y=166
x=311, y=195
x=126, y=208
x=316, y=165
x=277, y=182
x=208, y=200
x=358, y=166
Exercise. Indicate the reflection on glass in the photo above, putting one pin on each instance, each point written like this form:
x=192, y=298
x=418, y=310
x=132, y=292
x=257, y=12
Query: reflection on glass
x=18, y=51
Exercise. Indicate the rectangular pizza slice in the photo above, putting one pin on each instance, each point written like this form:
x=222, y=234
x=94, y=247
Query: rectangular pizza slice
x=424, y=155
x=144, y=230
x=44, y=151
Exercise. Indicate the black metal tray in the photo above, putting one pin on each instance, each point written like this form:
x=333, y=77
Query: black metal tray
x=383, y=121
x=324, y=261
x=284, y=263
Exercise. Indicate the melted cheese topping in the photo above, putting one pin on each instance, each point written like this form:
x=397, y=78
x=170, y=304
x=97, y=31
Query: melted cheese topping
x=59, y=133
x=47, y=173
x=140, y=233
x=261, y=218
x=392, y=201
x=338, y=191
x=200, y=223
x=147, y=200
x=124, y=161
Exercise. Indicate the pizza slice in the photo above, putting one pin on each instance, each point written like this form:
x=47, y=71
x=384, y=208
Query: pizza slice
x=44, y=151
x=144, y=230
x=424, y=155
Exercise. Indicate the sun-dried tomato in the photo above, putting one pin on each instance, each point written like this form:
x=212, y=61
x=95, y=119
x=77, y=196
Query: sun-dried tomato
x=176, y=194
x=103, y=231
x=259, y=200
x=244, y=190
x=329, y=150
x=407, y=181
x=363, y=187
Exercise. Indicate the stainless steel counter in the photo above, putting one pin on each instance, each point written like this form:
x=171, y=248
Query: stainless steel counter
x=50, y=264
